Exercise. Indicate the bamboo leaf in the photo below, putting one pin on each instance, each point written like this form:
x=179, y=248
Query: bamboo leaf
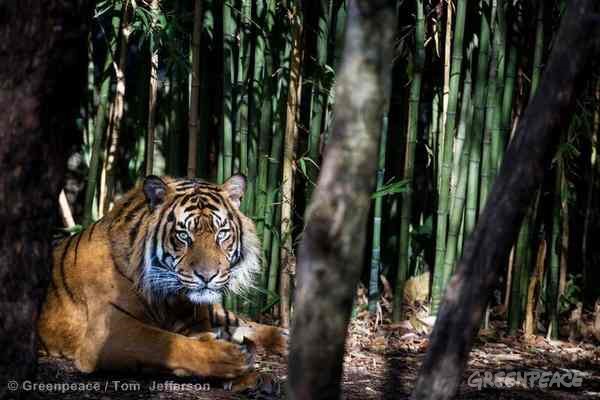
x=392, y=188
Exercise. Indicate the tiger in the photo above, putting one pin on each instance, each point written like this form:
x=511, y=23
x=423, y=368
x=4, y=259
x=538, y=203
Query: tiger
x=142, y=287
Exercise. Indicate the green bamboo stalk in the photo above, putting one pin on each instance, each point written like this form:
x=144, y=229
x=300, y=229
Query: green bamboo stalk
x=274, y=264
x=271, y=242
x=175, y=98
x=257, y=86
x=243, y=72
x=192, y=167
x=592, y=179
x=481, y=85
x=378, y=205
x=515, y=311
x=465, y=112
x=338, y=27
x=434, y=129
x=461, y=170
x=229, y=44
x=179, y=90
x=258, y=122
x=318, y=95
x=539, y=49
x=446, y=164
x=522, y=267
x=447, y=63
x=205, y=124
x=508, y=96
x=115, y=113
x=100, y=119
x=409, y=158
x=498, y=142
x=490, y=115
x=265, y=16
x=552, y=292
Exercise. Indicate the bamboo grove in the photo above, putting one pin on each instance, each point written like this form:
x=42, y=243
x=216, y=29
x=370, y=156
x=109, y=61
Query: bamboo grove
x=206, y=88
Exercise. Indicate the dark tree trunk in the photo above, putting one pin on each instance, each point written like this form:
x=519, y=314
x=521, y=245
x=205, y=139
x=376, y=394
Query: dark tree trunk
x=43, y=48
x=331, y=252
x=528, y=156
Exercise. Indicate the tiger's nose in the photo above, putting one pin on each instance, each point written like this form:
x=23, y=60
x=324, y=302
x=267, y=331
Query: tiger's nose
x=206, y=276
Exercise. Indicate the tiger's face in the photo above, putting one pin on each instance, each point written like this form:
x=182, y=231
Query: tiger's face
x=203, y=246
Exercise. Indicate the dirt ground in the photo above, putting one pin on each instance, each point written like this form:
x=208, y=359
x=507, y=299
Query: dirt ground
x=380, y=363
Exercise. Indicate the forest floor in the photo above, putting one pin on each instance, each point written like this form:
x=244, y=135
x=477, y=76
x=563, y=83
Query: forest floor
x=380, y=363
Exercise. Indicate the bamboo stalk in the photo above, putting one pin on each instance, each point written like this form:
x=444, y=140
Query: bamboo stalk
x=243, y=72
x=459, y=195
x=193, y=122
x=291, y=134
x=278, y=104
x=338, y=27
x=65, y=210
x=264, y=80
x=508, y=97
x=446, y=88
x=592, y=179
x=490, y=115
x=89, y=211
x=552, y=286
x=520, y=275
x=481, y=85
x=409, y=158
x=260, y=88
x=539, y=49
x=523, y=257
x=318, y=96
x=259, y=120
x=153, y=92
x=116, y=109
x=499, y=139
x=377, y=208
x=229, y=43
x=446, y=164
x=564, y=234
x=534, y=283
x=274, y=262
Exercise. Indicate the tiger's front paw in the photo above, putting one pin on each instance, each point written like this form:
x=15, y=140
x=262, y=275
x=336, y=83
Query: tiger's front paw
x=273, y=339
x=227, y=360
x=278, y=341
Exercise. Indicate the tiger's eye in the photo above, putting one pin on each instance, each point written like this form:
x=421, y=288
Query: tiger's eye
x=222, y=234
x=183, y=236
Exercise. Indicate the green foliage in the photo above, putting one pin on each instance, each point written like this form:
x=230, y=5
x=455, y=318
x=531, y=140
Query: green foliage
x=392, y=188
x=572, y=294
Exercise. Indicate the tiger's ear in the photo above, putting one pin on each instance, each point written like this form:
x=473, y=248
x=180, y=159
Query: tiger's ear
x=235, y=187
x=155, y=191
